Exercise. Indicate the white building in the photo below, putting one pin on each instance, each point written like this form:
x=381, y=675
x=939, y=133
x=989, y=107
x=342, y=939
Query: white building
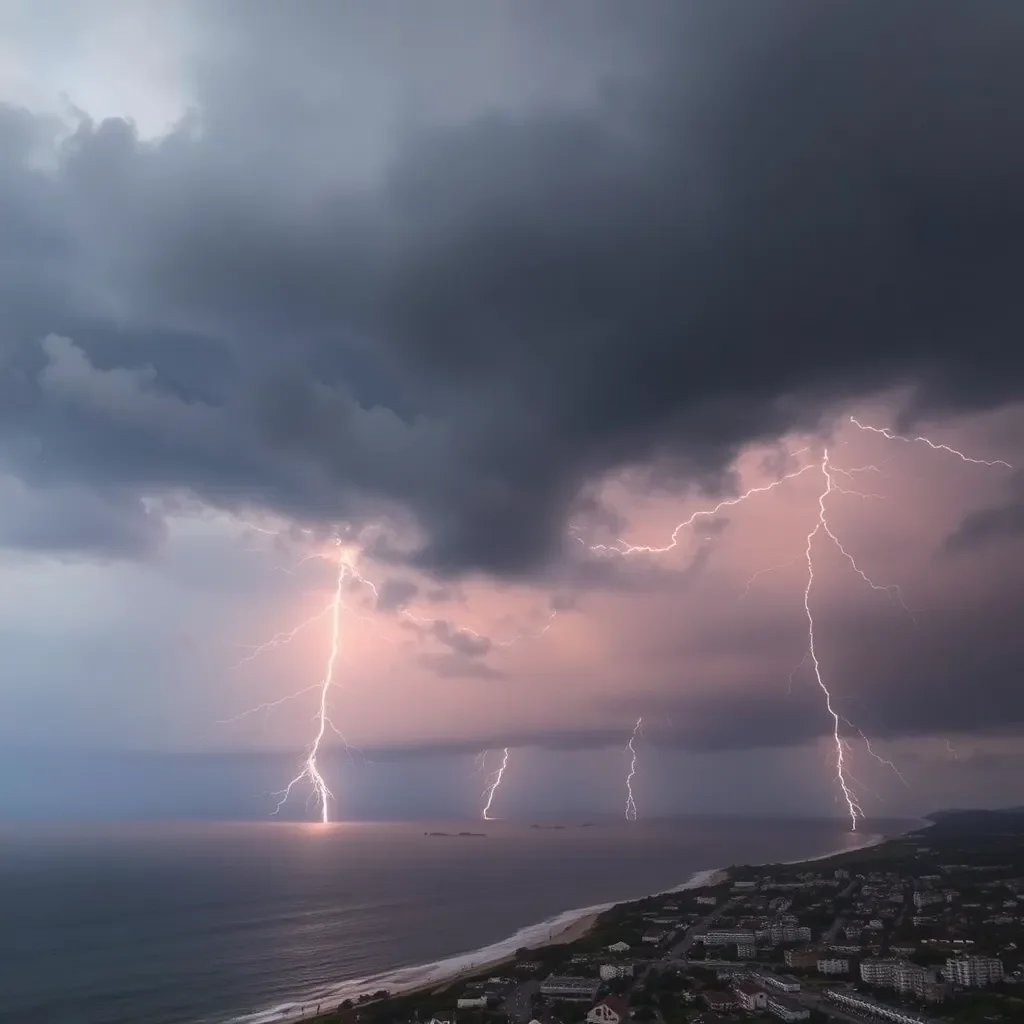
x=619, y=947
x=472, y=999
x=786, y=1009
x=707, y=901
x=877, y=972
x=746, y=951
x=909, y=978
x=788, y=933
x=610, y=971
x=973, y=971
x=781, y=982
x=834, y=965
x=927, y=897
x=871, y=1008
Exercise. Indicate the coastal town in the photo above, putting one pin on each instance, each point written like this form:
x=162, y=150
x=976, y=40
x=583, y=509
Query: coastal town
x=924, y=929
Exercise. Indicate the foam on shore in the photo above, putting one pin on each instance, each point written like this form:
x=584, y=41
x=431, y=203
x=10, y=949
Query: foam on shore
x=440, y=972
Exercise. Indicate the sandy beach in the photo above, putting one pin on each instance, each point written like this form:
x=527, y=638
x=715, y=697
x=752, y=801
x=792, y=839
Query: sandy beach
x=572, y=932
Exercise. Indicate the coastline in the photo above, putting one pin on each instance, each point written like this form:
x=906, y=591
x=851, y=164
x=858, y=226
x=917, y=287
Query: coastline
x=566, y=927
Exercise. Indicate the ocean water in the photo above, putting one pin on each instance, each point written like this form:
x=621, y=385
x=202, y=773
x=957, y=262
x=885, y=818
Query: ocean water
x=212, y=922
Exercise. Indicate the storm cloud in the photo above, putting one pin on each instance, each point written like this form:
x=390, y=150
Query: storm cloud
x=483, y=289
x=753, y=215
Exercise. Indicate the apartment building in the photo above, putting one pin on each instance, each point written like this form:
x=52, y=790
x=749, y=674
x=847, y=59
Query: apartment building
x=973, y=971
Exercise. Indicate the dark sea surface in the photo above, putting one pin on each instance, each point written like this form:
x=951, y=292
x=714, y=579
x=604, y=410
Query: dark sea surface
x=188, y=922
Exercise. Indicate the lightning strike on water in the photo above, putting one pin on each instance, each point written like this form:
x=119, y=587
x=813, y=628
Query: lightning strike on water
x=951, y=750
x=854, y=808
x=492, y=785
x=885, y=432
x=630, y=803
x=310, y=770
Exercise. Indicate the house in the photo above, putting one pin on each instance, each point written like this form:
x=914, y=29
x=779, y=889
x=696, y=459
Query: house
x=619, y=947
x=751, y=997
x=611, y=1010
x=652, y=938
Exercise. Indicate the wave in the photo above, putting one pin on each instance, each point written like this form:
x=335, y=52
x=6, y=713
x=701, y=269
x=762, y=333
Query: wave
x=407, y=979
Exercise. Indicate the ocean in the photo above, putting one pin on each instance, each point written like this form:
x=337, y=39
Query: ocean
x=181, y=923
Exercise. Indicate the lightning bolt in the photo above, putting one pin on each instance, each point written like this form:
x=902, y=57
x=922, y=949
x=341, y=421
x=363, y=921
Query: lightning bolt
x=310, y=771
x=821, y=525
x=951, y=750
x=630, y=803
x=887, y=433
x=620, y=547
x=878, y=757
x=493, y=782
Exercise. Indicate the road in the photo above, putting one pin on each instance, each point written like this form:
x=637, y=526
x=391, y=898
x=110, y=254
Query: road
x=518, y=1005
x=678, y=951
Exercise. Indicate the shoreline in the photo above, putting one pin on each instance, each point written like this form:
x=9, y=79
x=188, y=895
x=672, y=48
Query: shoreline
x=566, y=927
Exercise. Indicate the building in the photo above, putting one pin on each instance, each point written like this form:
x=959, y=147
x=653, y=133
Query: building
x=707, y=901
x=720, y=1001
x=785, y=1008
x=652, y=938
x=472, y=999
x=751, y=997
x=877, y=972
x=619, y=947
x=781, y=982
x=779, y=933
x=611, y=1010
x=973, y=971
x=909, y=979
x=727, y=936
x=834, y=965
x=873, y=1009
x=561, y=986
x=801, y=957
x=610, y=971
x=927, y=897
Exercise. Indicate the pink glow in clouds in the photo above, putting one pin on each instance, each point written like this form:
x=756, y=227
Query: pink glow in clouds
x=707, y=635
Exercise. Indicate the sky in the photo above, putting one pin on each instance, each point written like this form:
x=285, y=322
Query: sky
x=472, y=299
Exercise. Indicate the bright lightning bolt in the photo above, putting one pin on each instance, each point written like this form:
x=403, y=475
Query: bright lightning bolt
x=883, y=760
x=630, y=803
x=310, y=769
x=885, y=432
x=853, y=806
x=622, y=548
x=492, y=785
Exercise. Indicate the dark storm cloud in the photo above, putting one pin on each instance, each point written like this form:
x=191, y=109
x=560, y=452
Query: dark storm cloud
x=776, y=207
x=395, y=593
x=988, y=525
x=471, y=645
